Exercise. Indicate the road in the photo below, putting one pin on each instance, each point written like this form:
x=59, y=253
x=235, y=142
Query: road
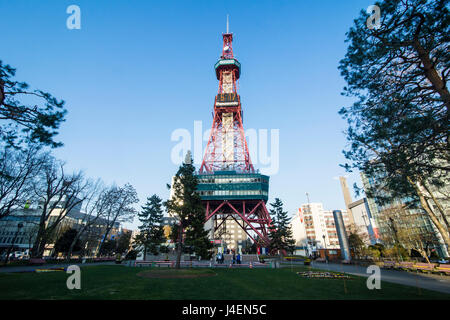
x=424, y=281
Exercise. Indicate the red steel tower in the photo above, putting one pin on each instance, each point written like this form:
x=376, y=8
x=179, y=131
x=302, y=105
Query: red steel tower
x=228, y=183
x=227, y=147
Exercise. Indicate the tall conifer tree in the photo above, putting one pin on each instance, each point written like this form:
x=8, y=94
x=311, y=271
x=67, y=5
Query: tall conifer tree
x=281, y=234
x=186, y=205
x=151, y=233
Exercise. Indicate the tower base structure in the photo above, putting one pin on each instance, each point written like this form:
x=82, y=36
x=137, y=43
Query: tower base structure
x=239, y=196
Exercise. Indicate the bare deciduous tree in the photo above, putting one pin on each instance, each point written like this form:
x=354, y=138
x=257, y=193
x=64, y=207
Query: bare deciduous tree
x=58, y=193
x=118, y=207
x=18, y=171
x=94, y=207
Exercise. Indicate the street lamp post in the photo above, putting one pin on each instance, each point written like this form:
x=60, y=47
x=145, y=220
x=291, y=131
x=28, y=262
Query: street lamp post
x=19, y=226
x=325, y=243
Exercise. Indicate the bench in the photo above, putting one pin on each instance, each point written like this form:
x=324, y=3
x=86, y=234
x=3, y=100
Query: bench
x=37, y=261
x=260, y=265
x=406, y=266
x=104, y=259
x=203, y=265
x=425, y=267
x=162, y=263
x=242, y=265
x=218, y=265
x=389, y=264
x=167, y=264
x=443, y=269
x=142, y=263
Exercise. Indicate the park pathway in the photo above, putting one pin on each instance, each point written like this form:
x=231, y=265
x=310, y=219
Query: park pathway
x=424, y=281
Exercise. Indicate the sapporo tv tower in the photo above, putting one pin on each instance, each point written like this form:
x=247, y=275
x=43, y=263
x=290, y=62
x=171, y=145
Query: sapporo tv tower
x=228, y=184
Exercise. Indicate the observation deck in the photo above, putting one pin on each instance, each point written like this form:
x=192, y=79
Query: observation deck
x=233, y=63
x=231, y=185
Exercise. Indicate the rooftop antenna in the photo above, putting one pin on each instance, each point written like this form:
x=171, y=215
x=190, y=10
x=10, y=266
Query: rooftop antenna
x=227, y=24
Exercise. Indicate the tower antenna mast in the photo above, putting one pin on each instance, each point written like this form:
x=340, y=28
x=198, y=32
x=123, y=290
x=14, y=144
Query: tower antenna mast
x=227, y=24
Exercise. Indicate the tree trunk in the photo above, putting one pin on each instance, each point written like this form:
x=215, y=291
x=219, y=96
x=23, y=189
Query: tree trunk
x=179, y=252
x=431, y=214
x=432, y=75
x=423, y=251
x=72, y=245
x=35, y=251
x=438, y=205
x=2, y=91
x=179, y=247
x=39, y=248
x=104, y=238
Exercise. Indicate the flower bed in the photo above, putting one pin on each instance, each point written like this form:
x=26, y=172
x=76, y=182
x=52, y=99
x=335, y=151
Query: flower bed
x=323, y=275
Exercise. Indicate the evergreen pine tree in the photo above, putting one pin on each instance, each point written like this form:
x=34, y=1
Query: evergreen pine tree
x=197, y=237
x=281, y=234
x=398, y=125
x=186, y=205
x=151, y=233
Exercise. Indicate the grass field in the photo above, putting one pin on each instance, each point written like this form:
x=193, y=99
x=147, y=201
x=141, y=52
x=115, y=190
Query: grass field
x=119, y=282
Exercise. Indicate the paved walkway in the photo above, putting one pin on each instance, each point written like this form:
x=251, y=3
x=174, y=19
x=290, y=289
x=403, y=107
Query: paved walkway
x=424, y=281
x=12, y=269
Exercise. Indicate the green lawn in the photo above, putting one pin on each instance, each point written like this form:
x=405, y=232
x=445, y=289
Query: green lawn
x=120, y=282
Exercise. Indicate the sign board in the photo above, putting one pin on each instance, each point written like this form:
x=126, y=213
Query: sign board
x=227, y=97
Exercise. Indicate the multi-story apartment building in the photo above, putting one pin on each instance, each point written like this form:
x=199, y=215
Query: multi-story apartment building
x=314, y=227
x=298, y=230
x=232, y=236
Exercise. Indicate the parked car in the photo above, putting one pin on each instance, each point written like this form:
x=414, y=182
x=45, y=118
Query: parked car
x=16, y=255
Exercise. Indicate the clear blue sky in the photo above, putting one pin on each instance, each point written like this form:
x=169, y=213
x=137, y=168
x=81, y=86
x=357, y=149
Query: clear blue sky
x=138, y=70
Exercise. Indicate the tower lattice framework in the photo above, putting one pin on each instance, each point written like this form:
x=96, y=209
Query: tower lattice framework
x=228, y=184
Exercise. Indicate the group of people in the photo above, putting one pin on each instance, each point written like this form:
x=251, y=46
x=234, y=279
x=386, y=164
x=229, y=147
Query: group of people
x=219, y=258
x=236, y=258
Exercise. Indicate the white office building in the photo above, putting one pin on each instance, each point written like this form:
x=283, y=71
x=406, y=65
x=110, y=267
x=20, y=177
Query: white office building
x=314, y=227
